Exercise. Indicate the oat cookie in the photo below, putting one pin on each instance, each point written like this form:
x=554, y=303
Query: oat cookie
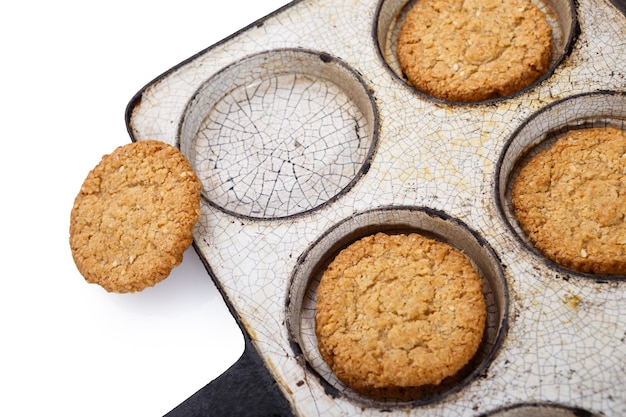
x=570, y=200
x=396, y=313
x=473, y=50
x=133, y=217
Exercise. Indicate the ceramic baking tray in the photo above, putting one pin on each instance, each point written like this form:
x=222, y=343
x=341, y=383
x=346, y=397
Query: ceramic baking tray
x=306, y=137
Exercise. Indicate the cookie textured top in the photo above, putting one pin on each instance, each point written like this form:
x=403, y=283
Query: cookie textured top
x=396, y=312
x=473, y=50
x=133, y=217
x=570, y=200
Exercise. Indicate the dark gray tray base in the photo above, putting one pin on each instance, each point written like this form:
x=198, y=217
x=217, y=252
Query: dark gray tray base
x=246, y=390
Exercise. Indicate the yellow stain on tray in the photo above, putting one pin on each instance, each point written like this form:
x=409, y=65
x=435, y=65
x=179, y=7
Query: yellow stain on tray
x=426, y=174
x=572, y=300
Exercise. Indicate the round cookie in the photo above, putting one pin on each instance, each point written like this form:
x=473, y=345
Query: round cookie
x=398, y=313
x=570, y=200
x=133, y=217
x=473, y=50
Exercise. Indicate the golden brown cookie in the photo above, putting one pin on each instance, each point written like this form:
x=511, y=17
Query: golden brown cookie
x=133, y=217
x=473, y=50
x=398, y=312
x=570, y=200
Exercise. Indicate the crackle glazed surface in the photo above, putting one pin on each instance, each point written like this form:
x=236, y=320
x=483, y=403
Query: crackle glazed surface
x=565, y=336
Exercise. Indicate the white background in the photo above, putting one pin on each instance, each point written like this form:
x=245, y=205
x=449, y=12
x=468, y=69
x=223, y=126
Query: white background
x=69, y=348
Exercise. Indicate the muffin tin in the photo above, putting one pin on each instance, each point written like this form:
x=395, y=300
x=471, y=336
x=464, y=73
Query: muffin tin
x=306, y=137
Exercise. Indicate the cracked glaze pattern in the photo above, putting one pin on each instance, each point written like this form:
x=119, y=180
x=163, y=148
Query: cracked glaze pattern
x=287, y=131
x=566, y=334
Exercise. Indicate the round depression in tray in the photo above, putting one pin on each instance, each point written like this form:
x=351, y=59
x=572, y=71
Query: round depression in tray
x=539, y=410
x=539, y=132
x=301, y=304
x=279, y=133
x=390, y=14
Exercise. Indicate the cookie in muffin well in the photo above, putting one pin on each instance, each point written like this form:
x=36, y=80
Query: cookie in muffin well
x=570, y=200
x=473, y=50
x=398, y=313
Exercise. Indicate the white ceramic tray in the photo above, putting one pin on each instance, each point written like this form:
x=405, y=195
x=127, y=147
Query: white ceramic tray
x=305, y=137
